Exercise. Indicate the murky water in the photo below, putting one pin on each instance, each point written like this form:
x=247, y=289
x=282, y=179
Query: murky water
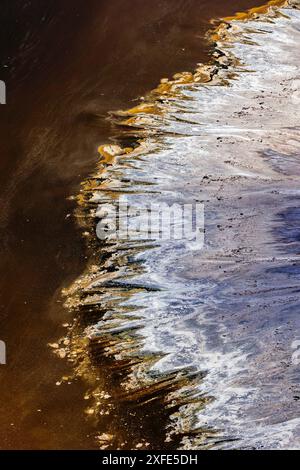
x=66, y=66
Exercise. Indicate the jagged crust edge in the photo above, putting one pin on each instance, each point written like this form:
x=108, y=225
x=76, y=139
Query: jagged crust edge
x=143, y=122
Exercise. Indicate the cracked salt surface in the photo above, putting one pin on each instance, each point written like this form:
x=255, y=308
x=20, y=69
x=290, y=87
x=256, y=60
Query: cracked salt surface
x=231, y=309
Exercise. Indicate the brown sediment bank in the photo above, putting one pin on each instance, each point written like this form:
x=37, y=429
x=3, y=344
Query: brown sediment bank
x=135, y=306
x=65, y=66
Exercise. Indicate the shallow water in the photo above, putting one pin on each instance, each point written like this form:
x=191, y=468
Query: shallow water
x=65, y=66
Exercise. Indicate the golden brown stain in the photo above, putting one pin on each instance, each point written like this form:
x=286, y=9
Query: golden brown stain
x=255, y=12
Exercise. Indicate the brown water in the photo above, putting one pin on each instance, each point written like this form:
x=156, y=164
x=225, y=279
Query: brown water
x=65, y=66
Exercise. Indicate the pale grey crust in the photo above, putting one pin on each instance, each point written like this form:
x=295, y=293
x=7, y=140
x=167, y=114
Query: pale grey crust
x=212, y=329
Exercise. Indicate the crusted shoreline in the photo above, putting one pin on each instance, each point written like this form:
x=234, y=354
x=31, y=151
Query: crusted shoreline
x=195, y=137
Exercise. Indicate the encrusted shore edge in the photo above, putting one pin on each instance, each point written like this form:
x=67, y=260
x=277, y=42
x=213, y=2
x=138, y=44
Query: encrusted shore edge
x=127, y=379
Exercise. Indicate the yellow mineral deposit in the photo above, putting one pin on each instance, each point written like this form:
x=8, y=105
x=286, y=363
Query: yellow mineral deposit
x=253, y=13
